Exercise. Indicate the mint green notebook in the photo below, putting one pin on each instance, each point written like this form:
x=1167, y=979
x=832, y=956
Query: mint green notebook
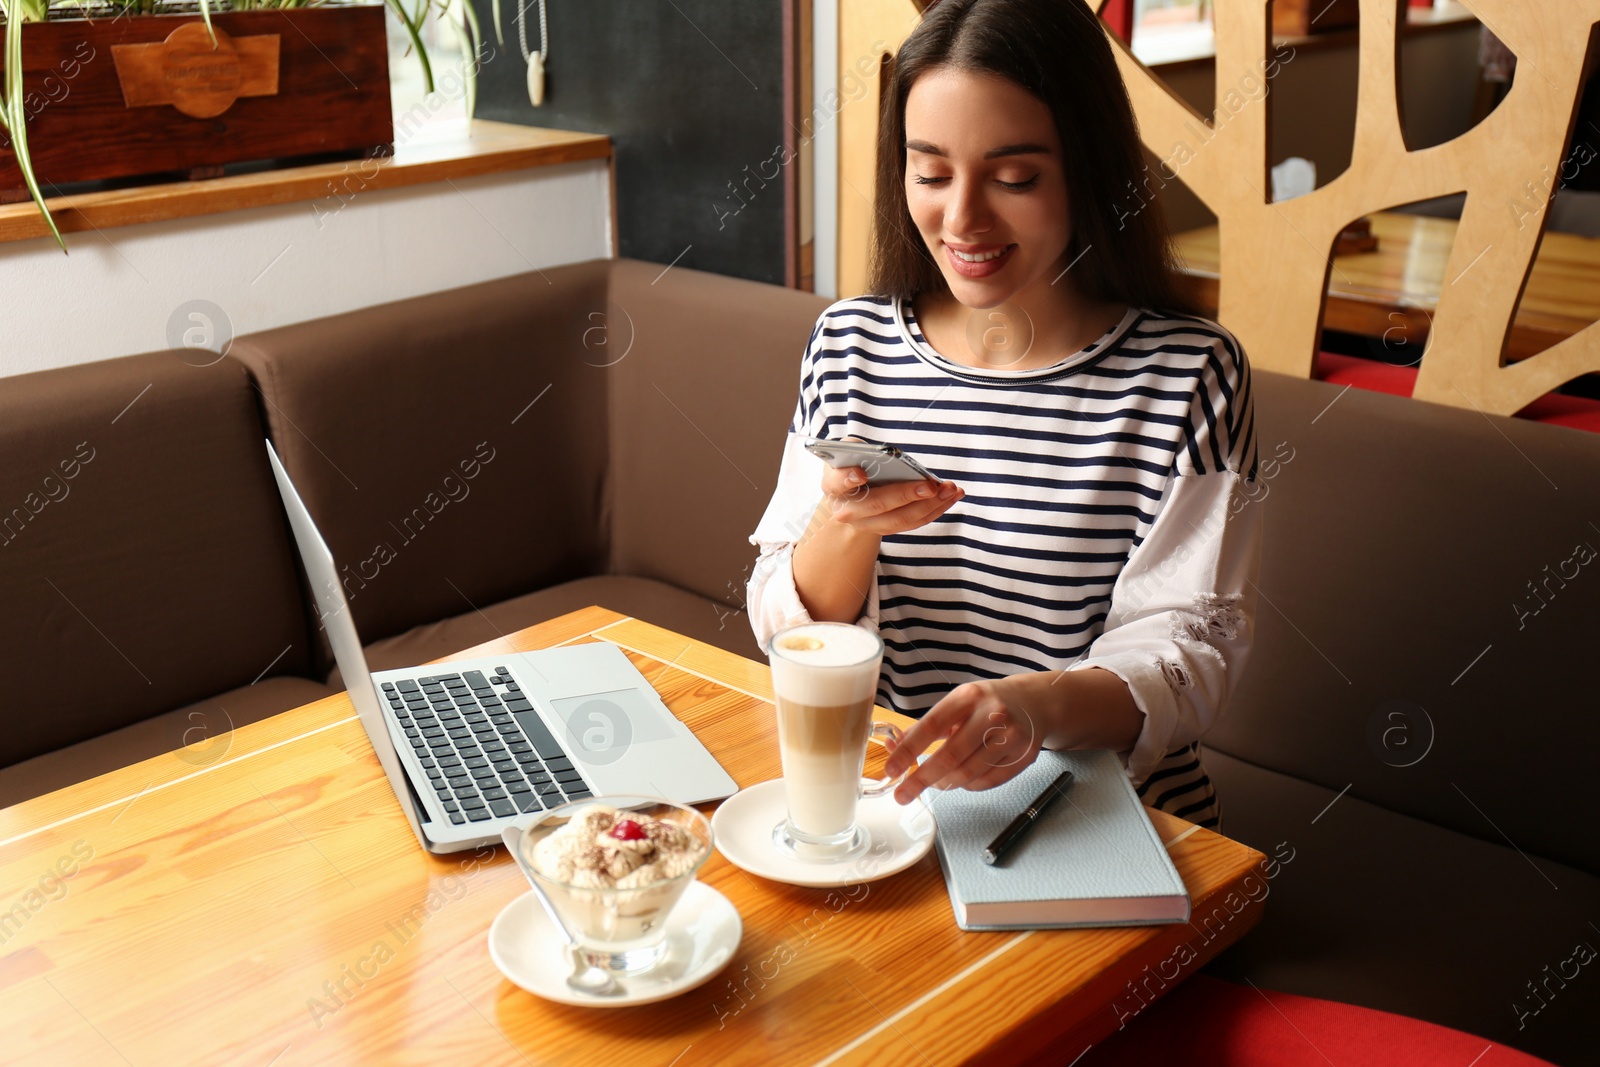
x=1092, y=859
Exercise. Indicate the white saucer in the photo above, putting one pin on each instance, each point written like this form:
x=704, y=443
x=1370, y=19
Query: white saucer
x=703, y=932
x=897, y=837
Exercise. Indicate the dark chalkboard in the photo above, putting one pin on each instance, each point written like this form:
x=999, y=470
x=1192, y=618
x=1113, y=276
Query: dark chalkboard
x=691, y=93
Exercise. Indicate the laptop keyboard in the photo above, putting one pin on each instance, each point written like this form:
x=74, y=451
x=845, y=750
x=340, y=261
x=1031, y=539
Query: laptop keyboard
x=481, y=760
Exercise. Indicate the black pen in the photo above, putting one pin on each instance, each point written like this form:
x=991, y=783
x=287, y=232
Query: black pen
x=1026, y=818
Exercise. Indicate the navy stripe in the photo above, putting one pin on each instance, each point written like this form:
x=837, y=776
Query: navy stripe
x=909, y=647
x=848, y=370
x=1069, y=507
x=1052, y=556
x=837, y=426
x=1197, y=806
x=854, y=308
x=1113, y=533
x=1183, y=789
x=971, y=629
x=1211, y=432
x=1192, y=446
x=1143, y=367
x=927, y=609
x=859, y=331
x=899, y=379
x=1070, y=439
x=902, y=565
x=1204, y=330
x=941, y=404
x=1224, y=386
x=1017, y=480
x=970, y=588
x=1246, y=420
x=1167, y=772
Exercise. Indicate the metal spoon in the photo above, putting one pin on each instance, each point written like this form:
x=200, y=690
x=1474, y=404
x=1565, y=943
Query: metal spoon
x=586, y=977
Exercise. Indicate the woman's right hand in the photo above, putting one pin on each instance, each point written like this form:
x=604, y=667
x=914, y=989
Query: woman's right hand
x=833, y=561
x=884, y=509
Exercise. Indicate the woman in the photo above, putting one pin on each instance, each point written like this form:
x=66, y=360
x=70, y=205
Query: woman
x=1085, y=579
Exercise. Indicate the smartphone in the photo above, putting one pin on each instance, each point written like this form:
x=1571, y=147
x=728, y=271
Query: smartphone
x=884, y=464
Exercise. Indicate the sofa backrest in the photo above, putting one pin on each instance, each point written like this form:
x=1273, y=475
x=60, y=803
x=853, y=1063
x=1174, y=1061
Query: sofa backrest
x=144, y=560
x=659, y=402
x=451, y=447
x=1428, y=613
x=699, y=408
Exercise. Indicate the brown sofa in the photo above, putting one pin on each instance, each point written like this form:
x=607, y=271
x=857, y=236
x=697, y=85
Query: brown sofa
x=479, y=460
x=1413, y=732
x=151, y=597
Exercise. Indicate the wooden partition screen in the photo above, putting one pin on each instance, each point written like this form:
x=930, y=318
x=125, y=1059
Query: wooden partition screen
x=1275, y=257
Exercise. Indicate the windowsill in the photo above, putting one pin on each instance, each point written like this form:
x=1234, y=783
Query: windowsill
x=1197, y=50
x=493, y=147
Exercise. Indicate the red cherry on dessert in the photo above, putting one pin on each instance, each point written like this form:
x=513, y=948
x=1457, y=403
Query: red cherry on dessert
x=628, y=830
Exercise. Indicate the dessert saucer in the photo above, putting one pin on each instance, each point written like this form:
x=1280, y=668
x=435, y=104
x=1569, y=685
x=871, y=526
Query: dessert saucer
x=897, y=837
x=703, y=932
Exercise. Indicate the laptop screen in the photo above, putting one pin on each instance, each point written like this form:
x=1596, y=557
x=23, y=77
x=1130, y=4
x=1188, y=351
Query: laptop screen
x=334, y=611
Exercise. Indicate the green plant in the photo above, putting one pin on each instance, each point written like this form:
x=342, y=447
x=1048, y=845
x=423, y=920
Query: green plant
x=457, y=14
x=12, y=113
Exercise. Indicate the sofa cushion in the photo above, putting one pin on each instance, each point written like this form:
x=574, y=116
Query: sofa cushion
x=202, y=730
x=1426, y=625
x=1376, y=908
x=656, y=602
x=449, y=446
x=1210, y=1023
x=144, y=557
x=699, y=409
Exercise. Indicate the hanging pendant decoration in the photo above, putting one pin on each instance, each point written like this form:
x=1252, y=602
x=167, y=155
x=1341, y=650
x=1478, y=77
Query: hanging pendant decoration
x=536, y=78
x=536, y=60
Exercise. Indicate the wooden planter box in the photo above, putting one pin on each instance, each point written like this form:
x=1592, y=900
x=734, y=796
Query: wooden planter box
x=114, y=97
x=1293, y=18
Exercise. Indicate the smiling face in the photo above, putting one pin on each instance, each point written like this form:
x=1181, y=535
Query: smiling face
x=985, y=185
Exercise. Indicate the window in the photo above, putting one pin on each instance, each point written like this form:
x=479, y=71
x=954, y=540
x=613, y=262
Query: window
x=1166, y=30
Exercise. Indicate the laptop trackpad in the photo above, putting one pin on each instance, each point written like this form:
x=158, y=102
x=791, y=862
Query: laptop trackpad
x=601, y=727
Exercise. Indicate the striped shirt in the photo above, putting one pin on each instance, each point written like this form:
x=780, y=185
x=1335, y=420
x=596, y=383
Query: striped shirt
x=1101, y=527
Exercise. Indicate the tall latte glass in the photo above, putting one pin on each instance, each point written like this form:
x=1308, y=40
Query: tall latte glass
x=825, y=681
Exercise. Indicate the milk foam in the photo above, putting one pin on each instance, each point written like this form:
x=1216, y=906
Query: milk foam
x=825, y=664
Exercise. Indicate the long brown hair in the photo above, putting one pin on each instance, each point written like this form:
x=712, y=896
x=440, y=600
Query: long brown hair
x=1056, y=50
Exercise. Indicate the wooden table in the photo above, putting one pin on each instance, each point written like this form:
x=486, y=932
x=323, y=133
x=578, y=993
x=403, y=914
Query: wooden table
x=1392, y=293
x=272, y=907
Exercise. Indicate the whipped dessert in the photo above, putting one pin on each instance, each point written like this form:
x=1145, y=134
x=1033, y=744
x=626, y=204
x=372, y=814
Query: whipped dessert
x=604, y=848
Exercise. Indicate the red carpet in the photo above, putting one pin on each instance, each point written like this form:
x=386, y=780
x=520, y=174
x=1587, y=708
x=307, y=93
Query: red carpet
x=1207, y=1022
x=1554, y=408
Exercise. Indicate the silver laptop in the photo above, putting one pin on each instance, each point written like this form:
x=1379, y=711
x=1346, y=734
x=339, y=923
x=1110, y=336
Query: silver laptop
x=471, y=745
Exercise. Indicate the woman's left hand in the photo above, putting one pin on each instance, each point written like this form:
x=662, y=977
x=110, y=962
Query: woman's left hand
x=989, y=737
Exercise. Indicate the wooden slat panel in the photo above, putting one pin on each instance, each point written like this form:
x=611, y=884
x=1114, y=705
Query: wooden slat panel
x=1274, y=265
x=1394, y=292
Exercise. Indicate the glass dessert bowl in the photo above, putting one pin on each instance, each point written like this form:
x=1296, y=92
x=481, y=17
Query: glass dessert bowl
x=614, y=868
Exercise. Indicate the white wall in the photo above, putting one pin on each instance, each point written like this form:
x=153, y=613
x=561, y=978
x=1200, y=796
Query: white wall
x=120, y=292
x=825, y=148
